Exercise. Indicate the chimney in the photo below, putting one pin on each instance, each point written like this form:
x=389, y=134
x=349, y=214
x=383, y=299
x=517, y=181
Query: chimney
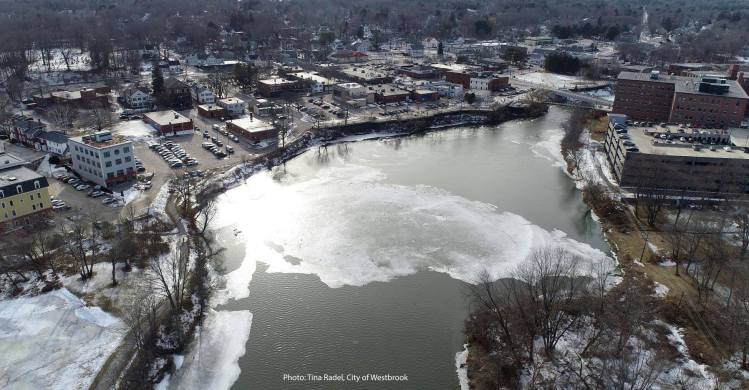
x=733, y=71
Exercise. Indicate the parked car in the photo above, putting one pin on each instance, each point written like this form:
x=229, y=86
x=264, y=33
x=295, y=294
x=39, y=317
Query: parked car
x=229, y=149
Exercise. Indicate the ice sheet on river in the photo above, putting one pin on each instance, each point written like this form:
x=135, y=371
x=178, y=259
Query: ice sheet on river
x=350, y=227
x=54, y=341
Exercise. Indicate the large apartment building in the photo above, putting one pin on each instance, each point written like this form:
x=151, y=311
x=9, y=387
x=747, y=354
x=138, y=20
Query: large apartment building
x=697, y=161
x=712, y=101
x=102, y=159
x=24, y=194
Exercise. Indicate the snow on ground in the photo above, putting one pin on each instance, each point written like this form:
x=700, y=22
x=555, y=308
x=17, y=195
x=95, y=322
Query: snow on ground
x=603, y=93
x=660, y=290
x=551, y=79
x=158, y=204
x=460, y=366
x=701, y=377
x=667, y=263
x=135, y=130
x=212, y=361
x=54, y=341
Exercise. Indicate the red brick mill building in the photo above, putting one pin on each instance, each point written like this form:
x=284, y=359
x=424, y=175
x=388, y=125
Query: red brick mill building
x=710, y=101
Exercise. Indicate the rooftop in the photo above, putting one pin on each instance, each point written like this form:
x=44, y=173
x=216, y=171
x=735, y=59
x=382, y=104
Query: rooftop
x=251, y=124
x=676, y=140
x=166, y=117
x=8, y=161
x=684, y=84
x=276, y=81
x=16, y=176
x=232, y=101
x=90, y=140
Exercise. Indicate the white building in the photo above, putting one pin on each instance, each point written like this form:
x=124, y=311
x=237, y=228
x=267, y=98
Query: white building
x=350, y=94
x=201, y=94
x=55, y=143
x=137, y=97
x=102, y=159
x=447, y=89
x=233, y=106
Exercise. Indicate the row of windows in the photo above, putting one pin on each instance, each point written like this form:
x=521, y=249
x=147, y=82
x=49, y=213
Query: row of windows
x=33, y=207
x=10, y=203
x=19, y=188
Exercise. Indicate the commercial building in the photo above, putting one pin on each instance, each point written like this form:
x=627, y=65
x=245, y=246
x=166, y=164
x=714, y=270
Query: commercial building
x=711, y=101
x=350, y=94
x=169, y=123
x=211, y=111
x=387, y=93
x=696, y=161
x=314, y=82
x=366, y=75
x=252, y=128
x=273, y=87
x=24, y=195
x=234, y=107
x=102, y=159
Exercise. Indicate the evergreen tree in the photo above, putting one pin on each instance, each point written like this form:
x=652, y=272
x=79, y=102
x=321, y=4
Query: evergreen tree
x=157, y=79
x=440, y=49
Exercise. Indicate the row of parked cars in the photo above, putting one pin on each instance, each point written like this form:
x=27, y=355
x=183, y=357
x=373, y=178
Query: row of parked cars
x=221, y=131
x=173, y=154
x=216, y=150
x=80, y=185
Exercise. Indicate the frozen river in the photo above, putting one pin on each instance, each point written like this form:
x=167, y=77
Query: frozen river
x=353, y=259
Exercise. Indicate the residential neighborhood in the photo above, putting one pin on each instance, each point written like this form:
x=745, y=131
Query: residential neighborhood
x=374, y=194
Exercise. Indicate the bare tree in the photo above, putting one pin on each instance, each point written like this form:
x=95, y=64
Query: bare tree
x=63, y=115
x=171, y=276
x=81, y=247
x=547, y=285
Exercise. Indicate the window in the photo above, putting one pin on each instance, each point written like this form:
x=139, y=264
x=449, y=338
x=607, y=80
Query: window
x=120, y=172
x=110, y=175
x=116, y=152
x=38, y=195
x=2, y=195
x=19, y=189
x=36, y=184
x=41, y=205
x=118, y=161
x=126, y=149
x=33, y=207
x=108, y=164
x=128, y=159
x=106, y=154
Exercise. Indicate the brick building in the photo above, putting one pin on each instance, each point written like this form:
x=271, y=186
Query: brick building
x=705, y=101
x=677, y=158
x=169, y=123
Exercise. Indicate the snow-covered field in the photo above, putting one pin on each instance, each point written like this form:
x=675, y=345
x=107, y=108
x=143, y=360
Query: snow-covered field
x=553, y=80
x=54, y=341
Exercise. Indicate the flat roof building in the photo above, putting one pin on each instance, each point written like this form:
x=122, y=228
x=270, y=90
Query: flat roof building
x=697, y=161
x=102, y=158
x=252, y=128
x=169, y=123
